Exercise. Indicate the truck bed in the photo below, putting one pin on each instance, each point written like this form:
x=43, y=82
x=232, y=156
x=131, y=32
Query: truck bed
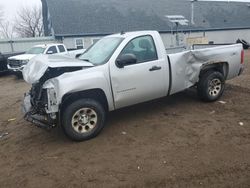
x=186, y=65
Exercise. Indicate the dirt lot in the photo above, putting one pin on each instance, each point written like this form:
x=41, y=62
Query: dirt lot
x=173, y=142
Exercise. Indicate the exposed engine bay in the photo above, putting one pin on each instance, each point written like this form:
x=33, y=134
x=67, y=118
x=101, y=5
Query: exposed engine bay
x=39, y=96
x=40, y=99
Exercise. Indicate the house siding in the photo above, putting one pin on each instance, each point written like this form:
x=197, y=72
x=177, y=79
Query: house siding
x=218, y=37
x=23, y=44
x=223, y=36
x=69, y=42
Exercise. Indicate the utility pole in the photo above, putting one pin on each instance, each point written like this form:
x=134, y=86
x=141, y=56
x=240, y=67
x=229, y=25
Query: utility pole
x=177, y=20
x=192, y=11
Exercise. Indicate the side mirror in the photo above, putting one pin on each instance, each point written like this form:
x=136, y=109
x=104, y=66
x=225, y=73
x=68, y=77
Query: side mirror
x=126, y=59
x=77, y=56
x=49, y=52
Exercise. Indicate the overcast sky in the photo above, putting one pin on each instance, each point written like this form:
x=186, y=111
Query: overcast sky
x=11, y=6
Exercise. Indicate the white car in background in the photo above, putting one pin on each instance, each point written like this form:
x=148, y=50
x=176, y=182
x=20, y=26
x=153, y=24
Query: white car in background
x=17, y=63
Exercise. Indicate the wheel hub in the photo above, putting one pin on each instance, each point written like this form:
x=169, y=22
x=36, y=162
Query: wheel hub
x=215, y=87
x=84, y=120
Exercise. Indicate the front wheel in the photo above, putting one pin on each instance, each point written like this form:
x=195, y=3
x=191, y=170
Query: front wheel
x=83, y=119
x=211, y=86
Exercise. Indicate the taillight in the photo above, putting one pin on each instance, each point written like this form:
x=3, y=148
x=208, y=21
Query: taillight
x=242, y=57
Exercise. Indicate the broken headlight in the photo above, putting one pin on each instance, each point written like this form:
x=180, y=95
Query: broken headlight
x=52, y=105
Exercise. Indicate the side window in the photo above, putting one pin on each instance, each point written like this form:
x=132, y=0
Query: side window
x=79, y=43
x=61, y=48
x=52, y=50
x=143, y=48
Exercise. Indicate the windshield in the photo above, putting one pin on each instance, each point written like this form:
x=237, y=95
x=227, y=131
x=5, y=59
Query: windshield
x=35, y=50
x=101, y=51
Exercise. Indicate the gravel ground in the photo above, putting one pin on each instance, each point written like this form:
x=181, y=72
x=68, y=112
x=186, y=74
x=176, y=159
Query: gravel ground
x=177, y=141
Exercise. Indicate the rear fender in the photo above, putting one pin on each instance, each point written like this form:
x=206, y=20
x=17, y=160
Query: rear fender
x=221, y=67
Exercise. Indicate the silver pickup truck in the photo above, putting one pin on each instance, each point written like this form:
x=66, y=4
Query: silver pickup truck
x=118, y=71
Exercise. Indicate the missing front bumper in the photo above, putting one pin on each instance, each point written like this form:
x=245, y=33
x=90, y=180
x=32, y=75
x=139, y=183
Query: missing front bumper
x=41, y=121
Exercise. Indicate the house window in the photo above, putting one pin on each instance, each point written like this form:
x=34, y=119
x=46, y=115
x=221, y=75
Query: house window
x=79, y=43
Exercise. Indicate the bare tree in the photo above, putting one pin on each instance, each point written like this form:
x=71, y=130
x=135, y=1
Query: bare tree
x=28, y=22
x=1, y=14
x=6, y=30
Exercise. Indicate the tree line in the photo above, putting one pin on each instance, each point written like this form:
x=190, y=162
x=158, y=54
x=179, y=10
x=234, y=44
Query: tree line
x=28, y=22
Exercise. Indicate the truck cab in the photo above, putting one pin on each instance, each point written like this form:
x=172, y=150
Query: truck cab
x=17, y=63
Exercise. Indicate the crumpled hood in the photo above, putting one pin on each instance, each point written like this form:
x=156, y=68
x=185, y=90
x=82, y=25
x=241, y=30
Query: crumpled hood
x=38, y=65
x=23, y=57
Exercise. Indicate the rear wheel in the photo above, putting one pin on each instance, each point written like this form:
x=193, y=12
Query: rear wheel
x=211, y=86
x=83, y=119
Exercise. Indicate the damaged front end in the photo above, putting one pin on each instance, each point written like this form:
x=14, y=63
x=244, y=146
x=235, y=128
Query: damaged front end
x=36, y=113
x=40, y=103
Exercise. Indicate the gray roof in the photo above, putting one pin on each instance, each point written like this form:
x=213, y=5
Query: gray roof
x=93, y=17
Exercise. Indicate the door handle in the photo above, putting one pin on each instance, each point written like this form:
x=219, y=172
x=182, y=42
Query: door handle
x=155, y=68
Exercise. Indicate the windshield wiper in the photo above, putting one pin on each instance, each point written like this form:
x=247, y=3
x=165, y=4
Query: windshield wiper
x=86, y=60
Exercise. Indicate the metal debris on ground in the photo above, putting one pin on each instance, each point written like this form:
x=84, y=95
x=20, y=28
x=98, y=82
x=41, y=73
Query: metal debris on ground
x=222, y=102
x=3, y=135
x=13, y=119
x=241, y=123
x=213, y=112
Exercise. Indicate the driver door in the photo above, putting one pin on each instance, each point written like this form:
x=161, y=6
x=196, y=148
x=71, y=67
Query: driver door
x=143, y=81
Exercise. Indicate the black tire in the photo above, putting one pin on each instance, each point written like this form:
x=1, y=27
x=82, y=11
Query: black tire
x=19, y=75
x=70, y=113
x=209, y=90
